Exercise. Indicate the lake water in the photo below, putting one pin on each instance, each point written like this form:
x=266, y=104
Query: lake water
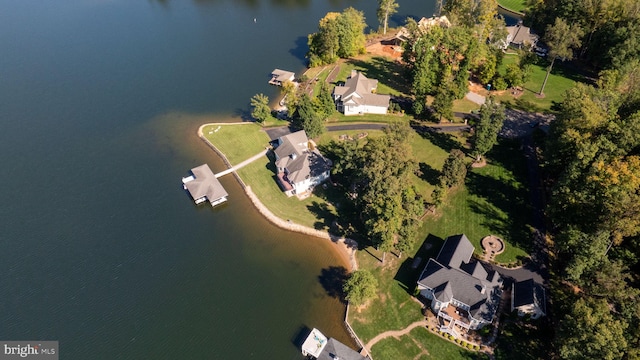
x=101, y=249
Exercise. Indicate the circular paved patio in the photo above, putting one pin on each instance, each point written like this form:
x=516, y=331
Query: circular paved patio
x=492, y=245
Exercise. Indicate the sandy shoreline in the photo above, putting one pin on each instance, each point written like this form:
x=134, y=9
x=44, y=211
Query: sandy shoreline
x=346, y=247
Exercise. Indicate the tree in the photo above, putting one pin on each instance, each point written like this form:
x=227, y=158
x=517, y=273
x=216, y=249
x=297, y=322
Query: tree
x=340, y=35
x=590, y=331
x=324, y=101
x=308, y=117
x=261, y=111
x=443, y=103
x=561, y=39
x=438, y=195
x=454, y=169
x=386, y=8
x=486, y=130
x=360, y=287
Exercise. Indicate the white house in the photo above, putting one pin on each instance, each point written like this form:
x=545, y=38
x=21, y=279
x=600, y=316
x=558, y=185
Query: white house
x=528, y=297
x=357, y=97
x=463, y=293
x=300, y=167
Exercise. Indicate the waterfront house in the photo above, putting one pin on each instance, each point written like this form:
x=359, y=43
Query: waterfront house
x=528, y=298
x=463, y=293
x=320, y=347
x=300, y=165
x=357, y=96
x=203, y=185
x=424, y=25
x=279, y=77
x=519, y=36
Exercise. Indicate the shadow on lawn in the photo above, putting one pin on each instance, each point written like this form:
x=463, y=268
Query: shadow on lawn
x=507, y=209
x=408, y=273
x=445, y=141
x=332, y=280
x=387, y=72
x=429, y=174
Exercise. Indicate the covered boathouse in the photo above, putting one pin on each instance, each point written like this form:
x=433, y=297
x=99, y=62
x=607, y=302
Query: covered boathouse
x=203, y=185
x=318, y=346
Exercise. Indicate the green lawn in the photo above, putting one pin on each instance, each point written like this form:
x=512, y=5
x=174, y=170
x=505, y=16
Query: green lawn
x=390, y=74
x=421, y=344
x=560, y=80
x=494, y=201
x=237, y=142
x=515, y=5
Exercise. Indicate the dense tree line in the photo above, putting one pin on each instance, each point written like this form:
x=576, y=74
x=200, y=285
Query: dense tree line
x=612, y=36
x=340, y=35
x=378, y=175
x=593, y=155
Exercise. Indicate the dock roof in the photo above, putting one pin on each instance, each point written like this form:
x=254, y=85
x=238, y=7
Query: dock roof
x=282, y=75
x=205, y=184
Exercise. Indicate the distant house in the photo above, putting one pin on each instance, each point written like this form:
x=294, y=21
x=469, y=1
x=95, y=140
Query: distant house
x=203, y=185
x=320, y=347
x=519, y=36
x=300, y=167
x=463, y=294
x=424, y=25
x=279, y=77
x=528, y=297
x=357, y=96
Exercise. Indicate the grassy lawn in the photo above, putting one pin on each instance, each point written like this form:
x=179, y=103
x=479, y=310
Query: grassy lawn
x=237, y=142
x=515, y=5
x=390, y=74
x=421, y=344
x=494, y=200
x=560, y=80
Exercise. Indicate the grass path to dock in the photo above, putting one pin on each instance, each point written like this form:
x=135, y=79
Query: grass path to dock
x=395, y=333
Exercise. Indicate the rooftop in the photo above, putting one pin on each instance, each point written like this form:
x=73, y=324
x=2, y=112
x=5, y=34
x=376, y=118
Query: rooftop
x=204, y=184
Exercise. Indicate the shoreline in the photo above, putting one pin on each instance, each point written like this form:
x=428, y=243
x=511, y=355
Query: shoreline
x=346, y=247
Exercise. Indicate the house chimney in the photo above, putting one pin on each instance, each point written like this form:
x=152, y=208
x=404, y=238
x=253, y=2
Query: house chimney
x=483, y=289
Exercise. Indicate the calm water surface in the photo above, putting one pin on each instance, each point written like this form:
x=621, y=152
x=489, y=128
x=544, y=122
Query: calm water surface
x=101, y=248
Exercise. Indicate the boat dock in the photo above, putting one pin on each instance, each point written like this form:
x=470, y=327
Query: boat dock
x=279, y=77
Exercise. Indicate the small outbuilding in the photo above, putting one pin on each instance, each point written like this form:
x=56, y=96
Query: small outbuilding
x=203, y=185
x=320, y=347
x=528, y=297
x=279, y=77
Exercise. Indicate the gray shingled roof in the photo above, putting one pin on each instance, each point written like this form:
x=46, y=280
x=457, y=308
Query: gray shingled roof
x=337, y=350
x=521, y=34
x=528, y=292
x=457, y=249
x=205, y=184
x=454, y=275
x=358, y=90
x=300, y=162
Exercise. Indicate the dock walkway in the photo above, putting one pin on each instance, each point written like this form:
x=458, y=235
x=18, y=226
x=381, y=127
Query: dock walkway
x=242, y=164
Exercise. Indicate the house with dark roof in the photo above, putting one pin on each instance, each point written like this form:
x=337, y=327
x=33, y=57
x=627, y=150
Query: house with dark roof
x=519, y=36
x=463, y=293
x=320, y=347
x=528, y=298
x=203, y=185
x=357, y=96
x=300, y=165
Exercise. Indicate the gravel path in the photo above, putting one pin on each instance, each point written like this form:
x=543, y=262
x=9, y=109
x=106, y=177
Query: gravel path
x=395, y=333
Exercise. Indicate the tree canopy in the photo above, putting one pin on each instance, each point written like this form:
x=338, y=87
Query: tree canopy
x=386, y=8
x=562, y=39
x=340, y=35
x=260, y=108
x=360, y=287
x=485, y=132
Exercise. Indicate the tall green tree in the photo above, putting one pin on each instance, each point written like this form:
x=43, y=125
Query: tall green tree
x=486, y=130
x=308, y=117
x=360, y=287
x=562, y=39
x=340, y=35
x=261, y=111
x=590, y=331
x=324, y=101
x=386, y=8
x=454, y=169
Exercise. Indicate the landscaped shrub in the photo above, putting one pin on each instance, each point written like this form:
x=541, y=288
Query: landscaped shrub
x=476, y=347
x=450, y=337
x=499, y=84
x=469, y=346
